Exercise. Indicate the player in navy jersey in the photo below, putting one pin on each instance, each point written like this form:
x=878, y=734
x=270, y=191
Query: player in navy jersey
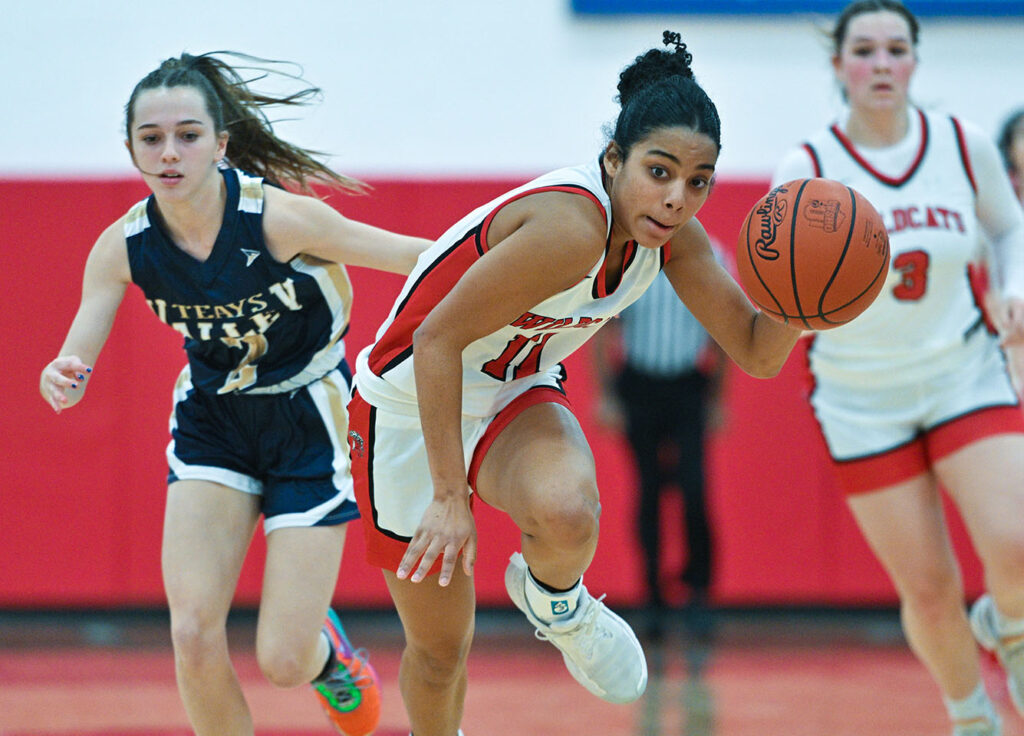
x=915, y=393
x=250, y=275
x=461, y=393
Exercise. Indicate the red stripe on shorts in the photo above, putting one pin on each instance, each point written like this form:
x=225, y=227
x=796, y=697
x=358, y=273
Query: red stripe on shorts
x=383, y=550
x=873, y=473
x=517, y=406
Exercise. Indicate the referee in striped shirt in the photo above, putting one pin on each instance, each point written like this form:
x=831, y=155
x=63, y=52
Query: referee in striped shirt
x=661, y=390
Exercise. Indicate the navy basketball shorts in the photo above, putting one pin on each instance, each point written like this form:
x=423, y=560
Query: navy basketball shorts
x=290, y=449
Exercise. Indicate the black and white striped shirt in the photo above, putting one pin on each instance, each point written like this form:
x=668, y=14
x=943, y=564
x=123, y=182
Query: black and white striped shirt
x=661, y=338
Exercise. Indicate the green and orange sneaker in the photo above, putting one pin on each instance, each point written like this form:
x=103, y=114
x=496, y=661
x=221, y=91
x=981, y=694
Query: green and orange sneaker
x=350, y=692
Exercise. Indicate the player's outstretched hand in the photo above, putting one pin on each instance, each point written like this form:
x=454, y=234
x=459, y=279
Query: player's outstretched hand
x=446, y=528
x=1008, y=317
x=1010, y=321
x=63, y=381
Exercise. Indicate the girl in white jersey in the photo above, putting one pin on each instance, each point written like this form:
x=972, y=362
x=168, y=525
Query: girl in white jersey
x=461, y=392
x=250, y=274
x=915, y=394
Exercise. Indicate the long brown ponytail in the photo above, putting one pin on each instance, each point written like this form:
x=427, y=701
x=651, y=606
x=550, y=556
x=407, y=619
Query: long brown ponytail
x=239, y=110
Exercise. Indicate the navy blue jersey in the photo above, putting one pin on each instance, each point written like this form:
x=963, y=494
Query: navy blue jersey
x=251, y=324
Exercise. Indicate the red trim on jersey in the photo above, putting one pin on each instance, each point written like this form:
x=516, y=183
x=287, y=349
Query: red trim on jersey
x=395, y=345
x=600, y=290
x=517, y=406
x=568, y=188
x=979, y=280
x=815, y=161
x=433, y=285
x=965, y=158
x=902, y=463
x=897, y=182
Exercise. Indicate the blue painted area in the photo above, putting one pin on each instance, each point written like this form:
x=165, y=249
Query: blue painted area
x=962, y=8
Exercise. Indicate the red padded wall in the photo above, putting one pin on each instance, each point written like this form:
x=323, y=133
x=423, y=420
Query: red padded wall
x=82, y=497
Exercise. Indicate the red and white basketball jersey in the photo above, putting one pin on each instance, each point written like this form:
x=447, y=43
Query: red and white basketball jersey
x=499, y=366
x=926, y=307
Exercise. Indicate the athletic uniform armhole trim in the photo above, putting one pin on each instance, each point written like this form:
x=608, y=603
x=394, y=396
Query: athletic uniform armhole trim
x=815, y=160
x=568, y=188
x=965, y=157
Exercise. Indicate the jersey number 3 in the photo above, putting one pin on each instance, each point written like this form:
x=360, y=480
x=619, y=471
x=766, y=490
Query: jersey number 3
x=913, y=268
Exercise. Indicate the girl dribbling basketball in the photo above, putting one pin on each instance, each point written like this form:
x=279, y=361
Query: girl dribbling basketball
x=462, y=391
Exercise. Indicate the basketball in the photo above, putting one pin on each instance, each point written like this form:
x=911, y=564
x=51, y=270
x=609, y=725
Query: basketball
x=813, y=253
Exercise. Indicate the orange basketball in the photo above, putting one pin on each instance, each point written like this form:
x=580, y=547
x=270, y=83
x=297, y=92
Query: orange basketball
x=813, y=252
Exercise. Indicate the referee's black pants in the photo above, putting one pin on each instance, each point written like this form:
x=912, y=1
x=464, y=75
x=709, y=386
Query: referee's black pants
x=665, y=426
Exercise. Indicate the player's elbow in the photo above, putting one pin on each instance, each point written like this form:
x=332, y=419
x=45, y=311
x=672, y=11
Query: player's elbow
x=433, y=339
x=763, y=365
x=426, y=335
x=767, y=369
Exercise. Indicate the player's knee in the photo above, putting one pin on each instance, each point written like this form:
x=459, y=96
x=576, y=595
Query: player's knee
x=196, y=639
x=1003, y=551
x=283, y=667
x=569, y=520
x=284, y=670
x=440, y=662
x=932, y=591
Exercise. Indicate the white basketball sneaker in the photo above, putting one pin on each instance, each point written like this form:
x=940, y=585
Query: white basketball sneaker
x=1008, y=649
x=599, y=648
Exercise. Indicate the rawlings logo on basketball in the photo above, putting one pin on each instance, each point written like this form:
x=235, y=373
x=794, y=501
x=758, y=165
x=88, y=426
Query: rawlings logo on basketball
x=823, y=265
x=772, y=213
x=824, y=213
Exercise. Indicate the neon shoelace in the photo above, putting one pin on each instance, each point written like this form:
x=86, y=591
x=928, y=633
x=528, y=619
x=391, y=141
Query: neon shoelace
x=342, y=688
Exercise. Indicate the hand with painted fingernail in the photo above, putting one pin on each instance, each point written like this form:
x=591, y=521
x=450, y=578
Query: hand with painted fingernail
x=62, y=382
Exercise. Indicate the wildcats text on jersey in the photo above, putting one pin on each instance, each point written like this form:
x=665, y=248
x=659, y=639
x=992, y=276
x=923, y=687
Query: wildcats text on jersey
x=916, y=217
x=531, y=321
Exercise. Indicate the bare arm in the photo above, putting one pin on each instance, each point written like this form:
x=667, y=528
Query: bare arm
x=756, y=343
x=524, y=266
x=1002, y=220
x=107, y=275
x=295, y=223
